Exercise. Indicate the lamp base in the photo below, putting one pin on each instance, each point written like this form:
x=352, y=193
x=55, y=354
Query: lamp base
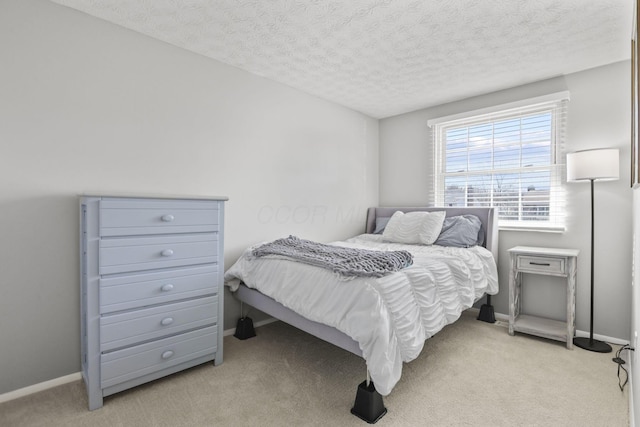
x=592, y=345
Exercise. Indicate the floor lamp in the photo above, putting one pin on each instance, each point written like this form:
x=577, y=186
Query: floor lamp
x=591, y=165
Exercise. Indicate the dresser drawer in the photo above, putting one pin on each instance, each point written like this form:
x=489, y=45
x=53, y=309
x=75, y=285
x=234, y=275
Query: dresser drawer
x=152, y=288
x=123, y=365
x=128, y=218
x=132, y=327
x=541, y=265
x=120, y=255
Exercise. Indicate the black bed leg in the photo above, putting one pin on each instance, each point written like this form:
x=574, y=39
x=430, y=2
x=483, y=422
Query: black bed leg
x=486, y=312
x=244, y=329
x=369, y=405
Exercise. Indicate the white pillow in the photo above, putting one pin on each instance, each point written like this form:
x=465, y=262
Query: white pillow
x=414, y=227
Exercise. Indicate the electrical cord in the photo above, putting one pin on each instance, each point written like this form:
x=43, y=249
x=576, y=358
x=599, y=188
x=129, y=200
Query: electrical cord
x=620, y=361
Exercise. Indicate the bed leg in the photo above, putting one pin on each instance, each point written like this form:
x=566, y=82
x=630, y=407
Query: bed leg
x=244, y=327
x=486, y=312
x=368, y=405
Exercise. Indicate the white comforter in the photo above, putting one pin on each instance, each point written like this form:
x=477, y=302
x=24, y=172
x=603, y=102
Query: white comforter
x=390, y=317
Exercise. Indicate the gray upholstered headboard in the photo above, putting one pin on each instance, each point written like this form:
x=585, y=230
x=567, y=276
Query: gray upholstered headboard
x=488, y=217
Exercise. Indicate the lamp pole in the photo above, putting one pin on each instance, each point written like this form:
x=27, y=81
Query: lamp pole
x=582, y=342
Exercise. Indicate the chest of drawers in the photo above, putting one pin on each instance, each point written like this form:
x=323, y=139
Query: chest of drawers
x=151, y=289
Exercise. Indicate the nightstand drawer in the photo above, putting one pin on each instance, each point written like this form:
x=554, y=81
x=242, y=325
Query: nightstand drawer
x=129, y=328
x=541, y=265
x=123, y=365
x=120, y=255
x=150, y=288
x=127, y=218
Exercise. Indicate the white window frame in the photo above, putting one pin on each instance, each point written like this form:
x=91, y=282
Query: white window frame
x=556, y=104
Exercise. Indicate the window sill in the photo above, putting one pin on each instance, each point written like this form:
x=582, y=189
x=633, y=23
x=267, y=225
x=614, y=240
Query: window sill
x=529, y=228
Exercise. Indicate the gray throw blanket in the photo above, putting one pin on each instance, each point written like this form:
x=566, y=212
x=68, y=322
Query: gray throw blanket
x=349, y=262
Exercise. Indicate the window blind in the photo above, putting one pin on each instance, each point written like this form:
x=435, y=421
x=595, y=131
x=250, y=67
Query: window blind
x=511, y=159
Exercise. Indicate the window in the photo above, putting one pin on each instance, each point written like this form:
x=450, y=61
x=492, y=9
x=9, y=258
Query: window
x=510, y=159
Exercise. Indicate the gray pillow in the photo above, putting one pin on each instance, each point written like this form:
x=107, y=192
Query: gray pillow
x=461, y=231
x=381, y=224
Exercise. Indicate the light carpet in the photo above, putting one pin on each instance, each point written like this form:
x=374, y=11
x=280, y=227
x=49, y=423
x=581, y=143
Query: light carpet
x=470, y=374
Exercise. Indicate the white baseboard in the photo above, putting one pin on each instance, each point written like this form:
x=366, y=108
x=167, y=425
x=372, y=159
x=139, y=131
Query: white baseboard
x=40, y=387
x=78, y=376
x=632, y=421
x=499, y=316
x=255, y=325
x=611, y=340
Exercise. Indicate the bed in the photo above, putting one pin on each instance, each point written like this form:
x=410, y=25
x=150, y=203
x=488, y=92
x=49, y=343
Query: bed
x=372, y=316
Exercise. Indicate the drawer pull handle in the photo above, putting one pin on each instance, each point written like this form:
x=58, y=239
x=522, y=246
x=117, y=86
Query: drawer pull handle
x=167, y=252
x=167, y=354
x=166, y=288
x=166, y=321
x=544, y=264
x=168, y=218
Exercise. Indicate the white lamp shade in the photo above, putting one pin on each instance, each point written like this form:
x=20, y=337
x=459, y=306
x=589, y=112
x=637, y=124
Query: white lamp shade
x=601, y=164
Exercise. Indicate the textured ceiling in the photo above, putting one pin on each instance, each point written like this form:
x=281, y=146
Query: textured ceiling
x=384, y=57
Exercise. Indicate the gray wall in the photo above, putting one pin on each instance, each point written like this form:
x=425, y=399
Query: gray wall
x=89, y=107
x=633, y=356
x=598, y=116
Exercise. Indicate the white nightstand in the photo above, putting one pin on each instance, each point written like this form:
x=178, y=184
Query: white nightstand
x=550, y=262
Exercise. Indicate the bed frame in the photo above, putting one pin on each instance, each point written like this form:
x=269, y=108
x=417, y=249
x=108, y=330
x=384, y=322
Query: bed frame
x=368, y=405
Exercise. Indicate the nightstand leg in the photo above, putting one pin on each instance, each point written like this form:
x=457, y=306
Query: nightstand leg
x=513, y=296
x=571, y=301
